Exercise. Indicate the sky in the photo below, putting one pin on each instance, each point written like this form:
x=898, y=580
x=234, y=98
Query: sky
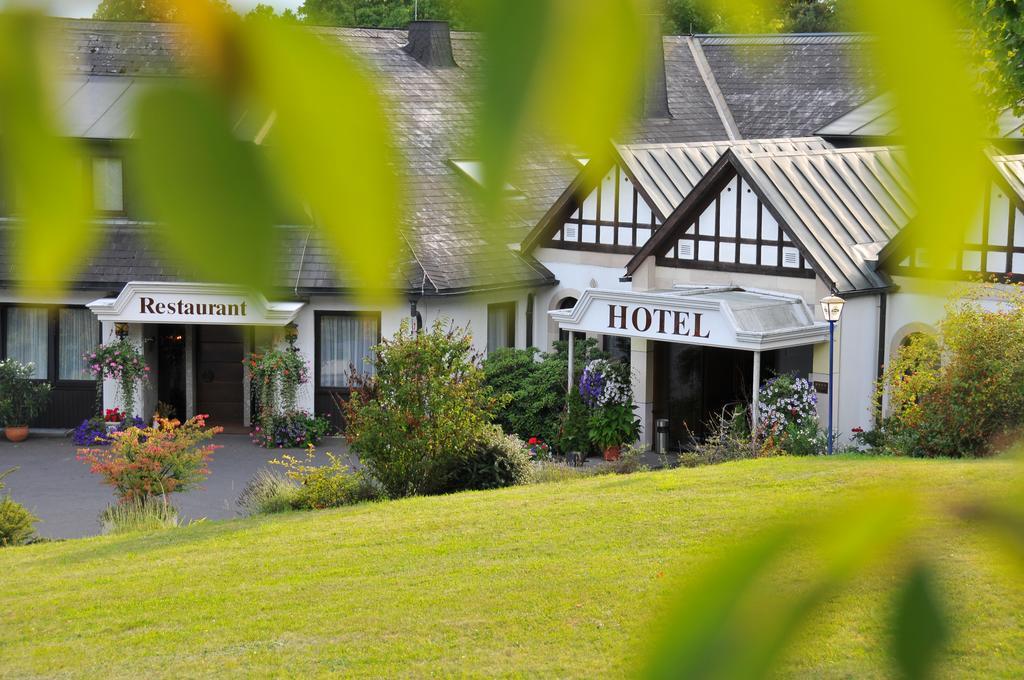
x=84, y=8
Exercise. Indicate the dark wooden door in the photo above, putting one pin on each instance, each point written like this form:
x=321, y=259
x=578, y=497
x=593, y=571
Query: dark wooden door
x=219, y=374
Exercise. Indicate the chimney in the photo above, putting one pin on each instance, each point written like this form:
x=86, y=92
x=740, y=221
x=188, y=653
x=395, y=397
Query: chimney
x=655, y=102
x=430, y=43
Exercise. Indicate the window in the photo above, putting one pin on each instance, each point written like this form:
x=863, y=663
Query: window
x=107, y=184
x=501, y=325
x=77, y=333
x=27, y=338
x=346, y=341
x=617, y=347
x=563, y=335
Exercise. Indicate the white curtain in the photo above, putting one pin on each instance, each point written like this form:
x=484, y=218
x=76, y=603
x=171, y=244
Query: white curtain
x=78, y=331
x=346, y=341
x=499, y=326
x=28, y=338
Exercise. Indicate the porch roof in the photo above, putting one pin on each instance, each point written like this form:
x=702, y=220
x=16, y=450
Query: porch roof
x=730, y=317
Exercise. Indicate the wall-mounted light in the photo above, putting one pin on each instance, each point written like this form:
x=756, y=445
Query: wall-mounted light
x=121, y=330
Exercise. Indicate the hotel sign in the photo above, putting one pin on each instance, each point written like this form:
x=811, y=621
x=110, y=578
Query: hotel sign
x=726, y=316
x=193, y=303
x=659, y=320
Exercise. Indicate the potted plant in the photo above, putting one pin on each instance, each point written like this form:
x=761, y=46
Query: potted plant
x=113, y=418
x=21, y=398
x=610, y=427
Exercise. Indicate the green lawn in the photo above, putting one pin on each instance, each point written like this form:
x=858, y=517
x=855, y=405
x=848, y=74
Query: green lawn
x=555, y=580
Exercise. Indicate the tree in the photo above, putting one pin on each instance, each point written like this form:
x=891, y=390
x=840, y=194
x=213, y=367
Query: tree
x=683, y=17
x=383, y=13
x=146, y=10
x=811, y=16
x=262, y=11
x=997, y=38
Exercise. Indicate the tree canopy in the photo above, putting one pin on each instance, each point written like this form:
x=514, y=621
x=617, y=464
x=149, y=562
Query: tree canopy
x=145, y=10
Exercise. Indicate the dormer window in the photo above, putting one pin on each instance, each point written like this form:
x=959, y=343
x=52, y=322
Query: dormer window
x=107, y=184
x=474, y=171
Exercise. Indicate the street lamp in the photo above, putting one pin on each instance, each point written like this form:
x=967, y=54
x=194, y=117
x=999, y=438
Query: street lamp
x=831, y=308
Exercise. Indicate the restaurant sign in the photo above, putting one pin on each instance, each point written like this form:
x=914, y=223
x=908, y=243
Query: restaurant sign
x=193, y=303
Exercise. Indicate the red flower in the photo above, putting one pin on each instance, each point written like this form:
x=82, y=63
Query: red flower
x=533, y=440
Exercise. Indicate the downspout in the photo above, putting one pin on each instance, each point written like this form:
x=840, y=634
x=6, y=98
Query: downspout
x=883, y=299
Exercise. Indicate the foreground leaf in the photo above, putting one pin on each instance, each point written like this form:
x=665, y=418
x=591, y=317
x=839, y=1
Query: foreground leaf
x=332, y=145
x=731, y=622
x=919, y=627
x=43, y=170
x=941, y=118
x=572, y=69
x=215, y=208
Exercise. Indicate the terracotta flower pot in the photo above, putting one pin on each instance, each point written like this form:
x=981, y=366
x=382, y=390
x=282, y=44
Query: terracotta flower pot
x=16, y=433
x=612, y=453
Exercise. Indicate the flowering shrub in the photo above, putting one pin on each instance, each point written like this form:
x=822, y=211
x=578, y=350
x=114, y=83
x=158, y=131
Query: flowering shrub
x=538, y=449
x=788, y=417
x=122, y=362
x=143, y=463
x=291, y=430
x=783, y=400
x=605, y=388
x=113, y=415
x=605, y=383
x=960, y=392
x=276, y=374
x=93, y=432
x=323, y=486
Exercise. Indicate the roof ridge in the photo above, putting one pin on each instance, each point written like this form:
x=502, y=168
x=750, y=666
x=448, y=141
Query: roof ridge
x=721, y=142
x=830, y=151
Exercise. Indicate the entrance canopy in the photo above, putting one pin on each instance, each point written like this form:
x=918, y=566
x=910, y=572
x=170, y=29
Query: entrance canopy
x=193, y=303
x=729, y=317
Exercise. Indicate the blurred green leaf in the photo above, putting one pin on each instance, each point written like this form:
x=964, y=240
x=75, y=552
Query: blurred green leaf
x=919, y=628
x=942, y=120
x=571, y=69
x=207, y=188
x=44, y=171
x=731, y=622
x=331, y=142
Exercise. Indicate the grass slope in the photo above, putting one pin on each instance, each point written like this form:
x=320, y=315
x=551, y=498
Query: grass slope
x=555, y=580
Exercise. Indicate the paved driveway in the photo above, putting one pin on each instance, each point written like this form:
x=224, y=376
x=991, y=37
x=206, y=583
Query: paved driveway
x=68, y=498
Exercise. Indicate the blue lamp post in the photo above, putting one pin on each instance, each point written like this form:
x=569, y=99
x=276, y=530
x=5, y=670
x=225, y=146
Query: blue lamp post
x=831, y=308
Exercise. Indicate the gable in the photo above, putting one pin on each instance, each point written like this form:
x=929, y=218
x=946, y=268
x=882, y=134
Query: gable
x=735, y=232
x=992, y=246
x=615, y=216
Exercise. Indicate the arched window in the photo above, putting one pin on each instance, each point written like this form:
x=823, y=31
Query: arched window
x=568, y=303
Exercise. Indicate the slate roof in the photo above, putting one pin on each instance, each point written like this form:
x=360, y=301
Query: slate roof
x=876, y=118
x=109, y=63
x=788, y=85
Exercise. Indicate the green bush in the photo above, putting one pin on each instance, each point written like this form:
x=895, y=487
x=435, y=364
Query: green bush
x=138, y=514
x=267, y=493
x=17, y=524
x=533, y=384
x=423, y=410
x=960, y=393
x=316, y=487
x=495, y=460
x=21, y=397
